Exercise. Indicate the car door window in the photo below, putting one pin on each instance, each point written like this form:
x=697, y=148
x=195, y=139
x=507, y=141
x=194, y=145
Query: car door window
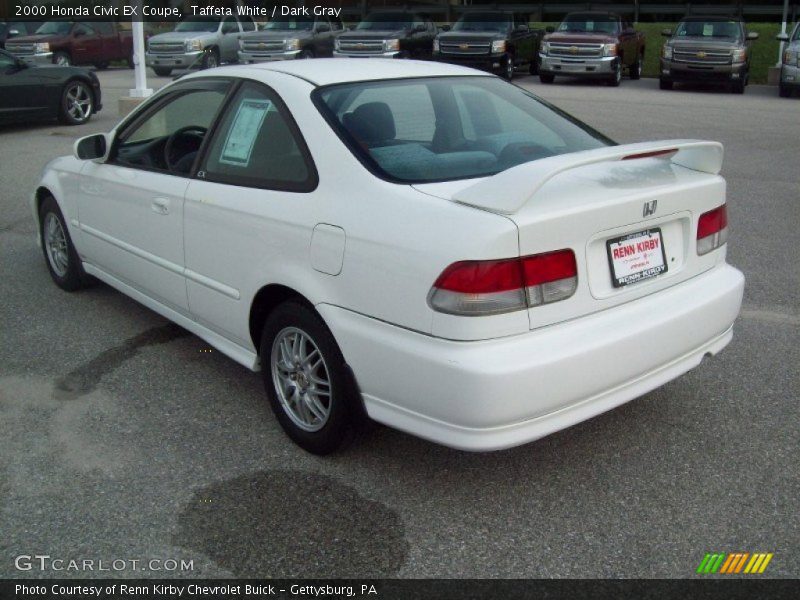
x=258, y=145
x=169, y=138
x=247, y=24
x=83, y=29
x=229, y=25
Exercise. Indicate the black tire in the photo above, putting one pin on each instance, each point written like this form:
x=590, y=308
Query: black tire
x=616, y=78
x=737, y=87
x=129, y=62
x=508, y=68
x=101, y=66
x=306, y=54
x=69, y=276
x=533, y=67
x=344, y=411
x=784, y=91
x=664, y=84
x=77, y=103
x=162, y=71
x=210, y=59
x=62, y=59
x=636, y=68
x=547, y=77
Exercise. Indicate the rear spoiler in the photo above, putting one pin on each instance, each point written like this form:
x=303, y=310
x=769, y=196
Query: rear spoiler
x=510, y=190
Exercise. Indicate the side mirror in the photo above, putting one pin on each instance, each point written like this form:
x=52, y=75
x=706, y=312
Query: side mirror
x=666, y=32
x=549, y=29
x=419, y=29
x=782, y=37
x=752, y=35
x=92, y=147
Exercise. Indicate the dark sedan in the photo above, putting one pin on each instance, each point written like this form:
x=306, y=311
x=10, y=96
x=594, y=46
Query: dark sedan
x=27, y=92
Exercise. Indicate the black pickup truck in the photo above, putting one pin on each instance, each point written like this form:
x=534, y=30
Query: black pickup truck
x=388, y=35
x=493, y=41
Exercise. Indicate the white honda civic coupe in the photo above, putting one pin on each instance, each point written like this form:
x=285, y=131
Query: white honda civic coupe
x=421, y=244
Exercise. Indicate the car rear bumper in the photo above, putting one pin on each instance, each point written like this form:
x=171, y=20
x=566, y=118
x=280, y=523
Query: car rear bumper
x=186, y=59
x=584, y=67
x=495, y=394
x=674, y=71
x=257, y=57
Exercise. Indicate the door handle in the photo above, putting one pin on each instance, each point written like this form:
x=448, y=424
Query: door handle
x=160, y=206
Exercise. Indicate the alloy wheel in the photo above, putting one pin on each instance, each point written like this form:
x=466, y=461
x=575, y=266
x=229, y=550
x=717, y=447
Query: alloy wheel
x=55, y=242
x=79, y=102
x=301, y=379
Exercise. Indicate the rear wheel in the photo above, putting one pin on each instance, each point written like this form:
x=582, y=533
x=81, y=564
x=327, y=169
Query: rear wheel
x=306, y=380
x=533, y=68
x=77, y=103
x=547, y=77
x=59, y=253
x=162, y=71
x=636, y=68
x=664, y=84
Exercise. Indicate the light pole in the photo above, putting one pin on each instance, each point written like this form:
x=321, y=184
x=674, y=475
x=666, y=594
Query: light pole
x=139, y=69
x=783, y=32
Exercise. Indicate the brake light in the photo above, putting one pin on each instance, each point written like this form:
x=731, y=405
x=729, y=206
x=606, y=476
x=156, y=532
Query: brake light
x=712, y=230
x=488, y=287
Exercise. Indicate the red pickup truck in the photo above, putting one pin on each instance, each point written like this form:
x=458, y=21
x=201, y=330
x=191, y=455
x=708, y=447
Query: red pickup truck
x=592, y=44
x=75, y=43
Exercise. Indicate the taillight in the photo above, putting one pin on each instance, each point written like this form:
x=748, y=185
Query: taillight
x=488, y=287
x=712, y=230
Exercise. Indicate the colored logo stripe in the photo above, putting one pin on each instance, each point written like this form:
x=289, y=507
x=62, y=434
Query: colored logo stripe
x=734, y=562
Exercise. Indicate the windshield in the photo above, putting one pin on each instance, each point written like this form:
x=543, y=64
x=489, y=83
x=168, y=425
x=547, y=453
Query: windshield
x=54, y=28
x=709, y=29
x=445, y=128
x=483, y=22
x=290, y=24
x=589, y=24
x=197, y=25
x=385, y=22
x=796, y=32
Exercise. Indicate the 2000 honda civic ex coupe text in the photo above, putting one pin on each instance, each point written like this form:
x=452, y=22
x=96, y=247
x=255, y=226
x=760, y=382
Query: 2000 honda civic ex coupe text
x=422, y=244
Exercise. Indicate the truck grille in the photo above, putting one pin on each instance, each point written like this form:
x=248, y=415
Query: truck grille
x=576, y=50
x=167, y=48
x=700, y=56
x=464, y=47
x=262, y=46
x=361, y=46
x=19, y=49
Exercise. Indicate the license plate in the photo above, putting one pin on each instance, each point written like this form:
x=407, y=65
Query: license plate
x=636, y=257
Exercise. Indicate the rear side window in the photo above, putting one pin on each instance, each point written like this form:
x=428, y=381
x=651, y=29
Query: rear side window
x=258, y=145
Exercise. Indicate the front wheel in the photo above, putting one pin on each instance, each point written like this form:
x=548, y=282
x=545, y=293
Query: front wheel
x=162, y=71
x=305, y=54
x=62, y=59
x=616, y=77
x=59, y=253
x=508, y=68
x=307, y=382
x=77, y=103
x=664, y=84
x=737, y=87
x=547, y=77
x=636, y=68
x=210, y=59
x=784, y=91
x=533, y=68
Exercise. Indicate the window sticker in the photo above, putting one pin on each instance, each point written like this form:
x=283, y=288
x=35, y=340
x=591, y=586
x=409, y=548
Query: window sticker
x=708, y=29
x=242, y=134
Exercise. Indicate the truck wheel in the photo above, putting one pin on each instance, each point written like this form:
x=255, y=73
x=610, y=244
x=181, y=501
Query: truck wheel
x=77, y=103
x=210, y=59
x=101, y=66
x=737, y=87
x=664, y=84
x=636, y=68
x=162, y=71
x=307, y=382
x=784, y=91
x=508, y=68
x=62, y=59
x=306, y=54
x=547, y=77
x=616, y=77
x=533, y=68
x=129, y=61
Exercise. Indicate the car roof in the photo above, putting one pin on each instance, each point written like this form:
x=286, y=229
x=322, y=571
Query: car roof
x=326, y=71
x=713, y=18
x=593, y=13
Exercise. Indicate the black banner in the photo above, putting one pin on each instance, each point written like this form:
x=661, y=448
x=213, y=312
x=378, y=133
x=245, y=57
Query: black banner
x=390, y=589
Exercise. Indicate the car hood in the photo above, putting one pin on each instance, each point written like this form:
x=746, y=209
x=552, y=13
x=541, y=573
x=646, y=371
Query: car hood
x=580, y=38
x=32, y=39
x=470, y=36
x=373, y=34
x=276, y=35
x=181, y=36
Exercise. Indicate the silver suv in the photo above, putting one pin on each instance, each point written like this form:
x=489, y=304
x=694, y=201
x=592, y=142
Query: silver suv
x=204, y=40
x=790, y=65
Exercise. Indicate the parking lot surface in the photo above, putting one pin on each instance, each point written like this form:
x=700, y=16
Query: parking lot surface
x=124, y=437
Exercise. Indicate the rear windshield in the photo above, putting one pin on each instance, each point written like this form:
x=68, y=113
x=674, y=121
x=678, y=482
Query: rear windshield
x=711, y=28
x=445, y=128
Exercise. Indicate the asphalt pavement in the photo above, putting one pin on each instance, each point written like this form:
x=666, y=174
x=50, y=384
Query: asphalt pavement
x=123, y=437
